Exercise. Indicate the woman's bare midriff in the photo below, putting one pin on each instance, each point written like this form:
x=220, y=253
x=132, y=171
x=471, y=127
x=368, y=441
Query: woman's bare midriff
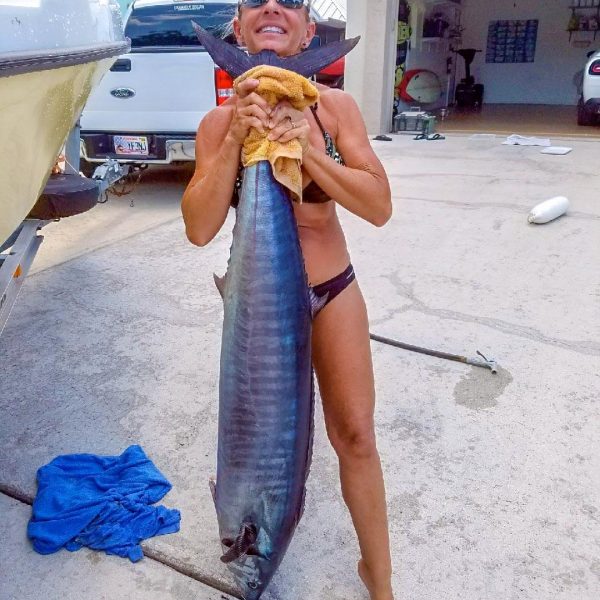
x=322, y=241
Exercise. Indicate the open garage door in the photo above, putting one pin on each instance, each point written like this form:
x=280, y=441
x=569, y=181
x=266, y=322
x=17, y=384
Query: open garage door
x=527, y=76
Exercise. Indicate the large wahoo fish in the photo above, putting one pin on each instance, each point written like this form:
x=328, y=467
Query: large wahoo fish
x=266, y=395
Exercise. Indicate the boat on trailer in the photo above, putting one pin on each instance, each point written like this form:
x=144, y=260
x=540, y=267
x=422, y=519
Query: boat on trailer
x=53, y=53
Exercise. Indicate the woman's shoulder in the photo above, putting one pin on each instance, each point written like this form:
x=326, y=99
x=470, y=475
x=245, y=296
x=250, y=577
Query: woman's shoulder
x=224, y=112
x=336, y=102
x=336, y=107
x=218, y=119
x=332, y=96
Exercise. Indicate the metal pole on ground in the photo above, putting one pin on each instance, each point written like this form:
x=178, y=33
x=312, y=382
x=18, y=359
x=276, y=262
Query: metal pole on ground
x=482, y=362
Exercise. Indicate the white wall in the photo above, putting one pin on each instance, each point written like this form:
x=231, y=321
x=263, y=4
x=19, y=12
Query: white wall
x=369, y=74
x=548, y=80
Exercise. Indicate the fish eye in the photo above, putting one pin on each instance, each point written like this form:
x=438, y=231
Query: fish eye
x=253, y=585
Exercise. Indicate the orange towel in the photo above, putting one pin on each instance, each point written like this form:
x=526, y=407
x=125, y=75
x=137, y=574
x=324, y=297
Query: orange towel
x=286, y=159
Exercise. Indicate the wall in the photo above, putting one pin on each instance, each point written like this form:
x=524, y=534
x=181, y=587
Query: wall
x=548, y=80
x=369, y=75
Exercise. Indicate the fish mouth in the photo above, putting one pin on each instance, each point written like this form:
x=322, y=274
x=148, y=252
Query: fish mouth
x=250, y=594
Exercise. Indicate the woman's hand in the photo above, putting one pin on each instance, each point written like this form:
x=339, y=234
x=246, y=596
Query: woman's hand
x=287, y=123
x=251, y=110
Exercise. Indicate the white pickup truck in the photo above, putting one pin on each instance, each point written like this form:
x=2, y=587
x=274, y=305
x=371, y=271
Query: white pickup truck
x=588, y=110
x=148, y=107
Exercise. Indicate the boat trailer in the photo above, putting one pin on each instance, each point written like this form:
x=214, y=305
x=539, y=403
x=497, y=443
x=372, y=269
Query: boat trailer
x=66, y=194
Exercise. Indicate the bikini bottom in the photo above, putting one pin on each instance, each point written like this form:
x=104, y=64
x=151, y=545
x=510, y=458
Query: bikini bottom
x=325, y=292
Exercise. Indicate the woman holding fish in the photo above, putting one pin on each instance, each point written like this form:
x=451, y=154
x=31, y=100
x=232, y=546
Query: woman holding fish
x=338, y=166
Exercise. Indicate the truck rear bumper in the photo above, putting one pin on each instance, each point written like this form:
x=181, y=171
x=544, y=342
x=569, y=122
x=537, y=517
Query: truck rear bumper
x=163, y=148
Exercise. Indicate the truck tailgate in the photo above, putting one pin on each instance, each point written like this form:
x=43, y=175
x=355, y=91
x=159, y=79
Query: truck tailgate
x=160, y=92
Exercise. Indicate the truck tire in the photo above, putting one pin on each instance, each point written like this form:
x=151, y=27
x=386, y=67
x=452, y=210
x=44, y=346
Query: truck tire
x=583, y=116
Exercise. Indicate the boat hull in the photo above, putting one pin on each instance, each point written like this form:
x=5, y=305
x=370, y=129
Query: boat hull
x=37, y=112
x=52, y=54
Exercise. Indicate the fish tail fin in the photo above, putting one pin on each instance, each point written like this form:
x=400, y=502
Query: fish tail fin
x=309, y=62
x=244, y=544
x=236, y=62
x=226, y=55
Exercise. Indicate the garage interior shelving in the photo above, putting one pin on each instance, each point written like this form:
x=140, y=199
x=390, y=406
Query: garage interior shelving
x=581, y=9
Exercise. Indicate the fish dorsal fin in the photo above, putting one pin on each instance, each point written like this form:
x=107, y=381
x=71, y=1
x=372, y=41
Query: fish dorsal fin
x=220, y=282
x=236, y=62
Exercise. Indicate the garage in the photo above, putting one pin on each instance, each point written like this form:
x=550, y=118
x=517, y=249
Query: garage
x=526, y=62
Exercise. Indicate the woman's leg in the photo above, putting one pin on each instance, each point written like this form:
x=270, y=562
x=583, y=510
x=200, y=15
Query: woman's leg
x=342, y=359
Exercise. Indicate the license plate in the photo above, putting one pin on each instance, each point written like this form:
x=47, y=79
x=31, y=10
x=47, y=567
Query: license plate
x=131, y=144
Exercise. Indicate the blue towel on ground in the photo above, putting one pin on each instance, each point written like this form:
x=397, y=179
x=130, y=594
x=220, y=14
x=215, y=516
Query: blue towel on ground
x=101, y=502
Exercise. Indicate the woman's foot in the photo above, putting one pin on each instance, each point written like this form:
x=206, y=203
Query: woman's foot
x=381, y=592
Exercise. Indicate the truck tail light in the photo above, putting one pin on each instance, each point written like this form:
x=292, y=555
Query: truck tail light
x=223, y=86
x=595, y=68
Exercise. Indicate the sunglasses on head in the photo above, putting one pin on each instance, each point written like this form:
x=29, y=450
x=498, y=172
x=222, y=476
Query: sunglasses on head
x=284, y=3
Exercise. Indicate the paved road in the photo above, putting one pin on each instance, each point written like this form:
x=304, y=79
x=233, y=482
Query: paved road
x=493, y=481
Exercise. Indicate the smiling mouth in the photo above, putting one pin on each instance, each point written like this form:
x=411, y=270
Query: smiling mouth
x=276, y=30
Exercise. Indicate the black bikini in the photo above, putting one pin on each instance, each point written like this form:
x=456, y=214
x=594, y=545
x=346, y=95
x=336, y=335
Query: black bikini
x=331, y=288
x=313, y=194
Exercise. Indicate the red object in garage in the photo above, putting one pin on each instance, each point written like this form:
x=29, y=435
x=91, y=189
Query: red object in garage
x=420, y=85
x=408, y=76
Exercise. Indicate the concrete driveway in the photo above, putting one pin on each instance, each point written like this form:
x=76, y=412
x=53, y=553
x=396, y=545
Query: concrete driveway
x=493, y=480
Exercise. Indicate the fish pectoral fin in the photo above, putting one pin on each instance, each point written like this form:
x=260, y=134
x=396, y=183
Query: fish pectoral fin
x=220, y=283
x=230, y=555
x=252, y=551
x=241, y=546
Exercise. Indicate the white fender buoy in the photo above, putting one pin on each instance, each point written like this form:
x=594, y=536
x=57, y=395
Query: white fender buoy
x=549, y=210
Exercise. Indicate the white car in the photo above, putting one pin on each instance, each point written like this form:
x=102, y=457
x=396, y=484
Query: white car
x=588, y=109
x=148, y=107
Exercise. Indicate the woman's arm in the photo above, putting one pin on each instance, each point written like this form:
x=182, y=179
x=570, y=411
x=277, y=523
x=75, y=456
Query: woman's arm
x=361, y=186
x=219, y=141
x=207, y=198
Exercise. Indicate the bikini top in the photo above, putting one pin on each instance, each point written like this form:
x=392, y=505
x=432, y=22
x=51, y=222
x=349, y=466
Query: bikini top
x=312, y=193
